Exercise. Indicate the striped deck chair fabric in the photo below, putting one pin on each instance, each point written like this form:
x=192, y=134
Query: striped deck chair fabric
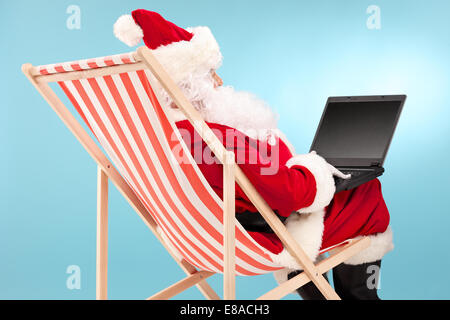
x=124, y=114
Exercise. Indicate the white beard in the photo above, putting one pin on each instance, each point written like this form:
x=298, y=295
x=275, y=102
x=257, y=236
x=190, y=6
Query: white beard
x=226, y=106
x=238, y=109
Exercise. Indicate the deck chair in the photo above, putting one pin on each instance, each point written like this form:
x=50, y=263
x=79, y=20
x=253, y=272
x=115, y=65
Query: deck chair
x=115, y=97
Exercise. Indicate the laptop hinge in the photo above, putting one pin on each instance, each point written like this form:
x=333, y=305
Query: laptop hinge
x=375, y=164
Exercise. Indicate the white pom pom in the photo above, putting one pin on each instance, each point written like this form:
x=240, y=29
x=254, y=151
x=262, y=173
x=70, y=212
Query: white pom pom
x=127, y=31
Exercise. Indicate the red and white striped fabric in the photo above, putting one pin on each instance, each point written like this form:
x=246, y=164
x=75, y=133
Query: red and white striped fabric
x=124, y=114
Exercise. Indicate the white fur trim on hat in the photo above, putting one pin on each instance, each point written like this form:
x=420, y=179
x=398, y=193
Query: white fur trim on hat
x=323, y=176
x=183, y=58
x=307, y=230
x=128, y=31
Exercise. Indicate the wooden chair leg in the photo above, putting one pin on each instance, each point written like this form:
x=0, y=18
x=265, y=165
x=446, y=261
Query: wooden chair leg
x=102, y=235
x=229, y=272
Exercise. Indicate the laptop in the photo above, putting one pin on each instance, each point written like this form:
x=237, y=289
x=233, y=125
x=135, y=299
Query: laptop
x=354, y=135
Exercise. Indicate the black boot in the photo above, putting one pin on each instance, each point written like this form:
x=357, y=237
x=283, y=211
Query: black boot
x=357, y=282
x=309, y=291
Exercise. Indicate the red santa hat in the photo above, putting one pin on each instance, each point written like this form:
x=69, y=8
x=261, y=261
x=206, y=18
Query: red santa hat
x=182, y=52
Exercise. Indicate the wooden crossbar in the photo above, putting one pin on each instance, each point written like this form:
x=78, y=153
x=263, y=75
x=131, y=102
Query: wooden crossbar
x=181, y=285
x=324, y=266
x=91, y=73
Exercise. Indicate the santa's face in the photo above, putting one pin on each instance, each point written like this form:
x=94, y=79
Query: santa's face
x=205, y=83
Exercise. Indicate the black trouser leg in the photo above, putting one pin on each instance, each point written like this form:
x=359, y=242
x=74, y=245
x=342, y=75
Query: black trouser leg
x=357, y=282
x=309, y=291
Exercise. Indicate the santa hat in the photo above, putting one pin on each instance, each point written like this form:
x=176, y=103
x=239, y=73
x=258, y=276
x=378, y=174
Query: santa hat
x=182, y=52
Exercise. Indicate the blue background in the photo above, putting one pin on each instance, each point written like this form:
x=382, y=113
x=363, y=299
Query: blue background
x=293, y=54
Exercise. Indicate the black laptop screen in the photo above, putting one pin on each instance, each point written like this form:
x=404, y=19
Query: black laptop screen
x=356, y=130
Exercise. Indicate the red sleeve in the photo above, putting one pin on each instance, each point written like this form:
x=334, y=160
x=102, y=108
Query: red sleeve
x=284, y=189
x=290, y=189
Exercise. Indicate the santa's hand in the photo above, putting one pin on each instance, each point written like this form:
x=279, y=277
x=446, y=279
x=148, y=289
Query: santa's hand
x=338, y=173
x=334, y=171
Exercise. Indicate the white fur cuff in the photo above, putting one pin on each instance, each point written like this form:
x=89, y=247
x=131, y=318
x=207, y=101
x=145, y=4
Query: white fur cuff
x=324, y=179
x=380, y=244
x=307, y=230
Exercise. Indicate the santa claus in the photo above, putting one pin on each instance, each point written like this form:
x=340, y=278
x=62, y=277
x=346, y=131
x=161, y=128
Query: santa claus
x=298, y=187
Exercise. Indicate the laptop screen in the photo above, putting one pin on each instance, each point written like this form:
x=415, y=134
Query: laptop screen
x=356, y=133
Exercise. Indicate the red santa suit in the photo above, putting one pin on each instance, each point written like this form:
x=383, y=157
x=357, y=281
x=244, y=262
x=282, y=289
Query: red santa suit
x=298, y=187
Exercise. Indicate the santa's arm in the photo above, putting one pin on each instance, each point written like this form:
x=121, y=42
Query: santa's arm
x=323, y=176
x=305, y=184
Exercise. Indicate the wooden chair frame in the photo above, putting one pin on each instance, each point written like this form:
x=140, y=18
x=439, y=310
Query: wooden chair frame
x=232, y=173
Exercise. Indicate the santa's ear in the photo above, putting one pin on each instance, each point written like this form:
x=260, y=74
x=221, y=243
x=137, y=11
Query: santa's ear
x=128, y=31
